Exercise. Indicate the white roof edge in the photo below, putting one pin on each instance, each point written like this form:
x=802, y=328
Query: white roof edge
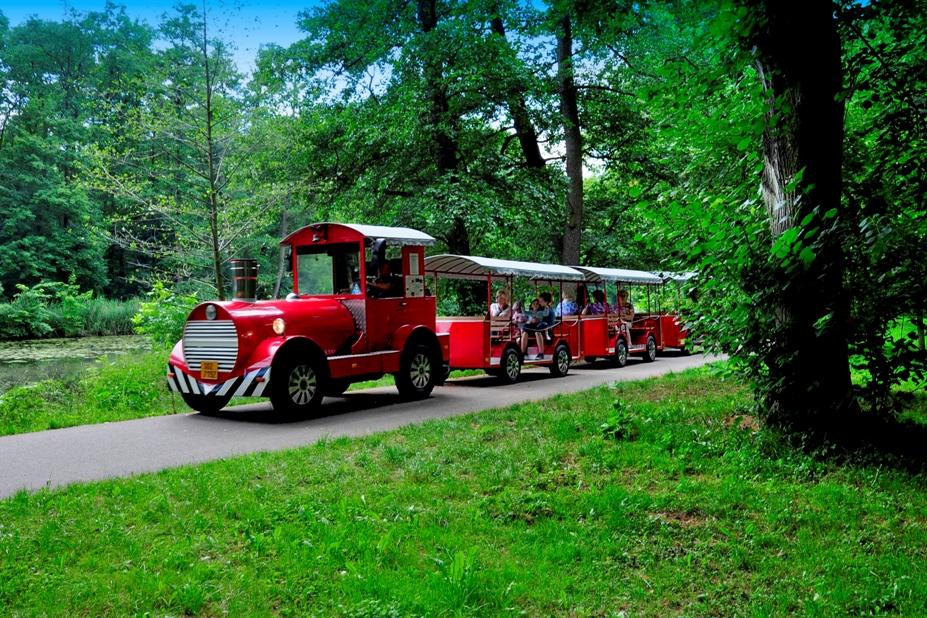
x=625, y=275
x=394, y=235
x=476, y=267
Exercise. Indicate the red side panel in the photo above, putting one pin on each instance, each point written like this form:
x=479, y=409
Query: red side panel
x=672, y=331
x=444, y=340
x=346, y=366
x=595, y=340
x=569, y=331
x=469, y=341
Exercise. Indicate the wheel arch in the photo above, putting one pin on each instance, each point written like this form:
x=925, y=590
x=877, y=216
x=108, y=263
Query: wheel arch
x=415, y=335
x=301, y=345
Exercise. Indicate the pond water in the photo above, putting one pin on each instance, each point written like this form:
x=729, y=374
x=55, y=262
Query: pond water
x=31, y=360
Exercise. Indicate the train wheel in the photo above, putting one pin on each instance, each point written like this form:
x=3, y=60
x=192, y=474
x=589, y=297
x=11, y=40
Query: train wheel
x=297, y=386
x=510, y=366
x=561, y=364
x=337, y=387
x=204, y=404
x=650, y=354
x=418, y=372
x=620, y=359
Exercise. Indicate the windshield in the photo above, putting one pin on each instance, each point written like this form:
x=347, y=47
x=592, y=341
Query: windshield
x=328, y=269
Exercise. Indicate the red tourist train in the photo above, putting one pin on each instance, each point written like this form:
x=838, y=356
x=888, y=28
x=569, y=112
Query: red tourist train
x=355, y=315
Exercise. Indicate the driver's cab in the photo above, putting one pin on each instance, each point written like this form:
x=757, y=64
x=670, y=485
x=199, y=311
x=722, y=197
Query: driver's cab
x=375, y=272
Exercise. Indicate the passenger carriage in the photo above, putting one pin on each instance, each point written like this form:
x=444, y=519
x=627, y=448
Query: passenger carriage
x=492, y=344
x=608, y=336
x=674, y=333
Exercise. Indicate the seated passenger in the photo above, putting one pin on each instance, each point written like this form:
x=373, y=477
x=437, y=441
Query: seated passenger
x=567, y=306
x=519, y=317
x=598, y=306
x=625, y=308
x=386, y=285
x=500, y=308
x=535, y=324
x=547, y=302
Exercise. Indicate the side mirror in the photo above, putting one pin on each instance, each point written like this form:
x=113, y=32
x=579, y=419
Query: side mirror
x=289, y=259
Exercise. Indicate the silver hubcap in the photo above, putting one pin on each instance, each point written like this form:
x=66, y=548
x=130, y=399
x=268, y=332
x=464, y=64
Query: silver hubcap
x=622, y=353
x=302, y=384
x=563, y=361
x=420, y=371
x=511, y=366
x=651, y=348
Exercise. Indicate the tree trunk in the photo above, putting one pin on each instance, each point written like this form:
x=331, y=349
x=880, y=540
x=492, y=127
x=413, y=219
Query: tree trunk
x=801, y=71
x=439, y=122
x=572, y=231
x=211, y=154
x=524, y=129
x=444, y=141
x=281, y=265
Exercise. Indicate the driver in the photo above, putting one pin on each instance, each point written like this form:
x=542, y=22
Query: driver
x=386, y=285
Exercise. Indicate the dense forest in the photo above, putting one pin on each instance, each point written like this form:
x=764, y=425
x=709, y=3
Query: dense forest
x=777, y=148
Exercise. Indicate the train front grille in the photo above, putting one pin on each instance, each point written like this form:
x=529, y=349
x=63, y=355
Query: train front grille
x=210, y=340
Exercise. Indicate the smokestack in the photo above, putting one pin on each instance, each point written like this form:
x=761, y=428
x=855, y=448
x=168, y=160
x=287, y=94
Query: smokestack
x=244, y=273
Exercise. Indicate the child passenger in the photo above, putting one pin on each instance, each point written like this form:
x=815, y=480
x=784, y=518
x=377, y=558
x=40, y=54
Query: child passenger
x=518, y=316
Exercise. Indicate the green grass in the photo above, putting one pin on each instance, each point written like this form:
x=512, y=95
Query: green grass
x=133, y=386
x=675, y=507
x=128, y=387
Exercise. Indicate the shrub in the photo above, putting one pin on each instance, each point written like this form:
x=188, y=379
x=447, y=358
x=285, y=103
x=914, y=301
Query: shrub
x=54, y=309
x=162, y=318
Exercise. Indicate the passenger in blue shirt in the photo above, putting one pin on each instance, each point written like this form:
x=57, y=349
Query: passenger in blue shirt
x=567, y=306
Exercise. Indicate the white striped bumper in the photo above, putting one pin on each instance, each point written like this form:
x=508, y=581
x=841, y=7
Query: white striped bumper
x=243, y=386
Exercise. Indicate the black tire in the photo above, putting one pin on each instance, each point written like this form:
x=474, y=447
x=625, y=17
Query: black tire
x=620, y=358
x=204, y=404
x=296, y=386
x=561, y=365
x=650, y=353
x=509, y=366
x=337, y=387
x=418, y=372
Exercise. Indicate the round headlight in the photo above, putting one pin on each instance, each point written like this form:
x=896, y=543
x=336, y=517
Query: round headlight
x=211, y=312
x=279, y=326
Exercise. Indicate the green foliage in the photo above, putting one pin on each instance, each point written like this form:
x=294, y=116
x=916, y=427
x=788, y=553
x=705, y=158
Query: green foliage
x=60, y=84
x=620, y=424
x=162, y=317
x=52, y=309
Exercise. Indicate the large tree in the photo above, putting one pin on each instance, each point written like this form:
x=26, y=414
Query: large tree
x=183, y=165
x=800, y=66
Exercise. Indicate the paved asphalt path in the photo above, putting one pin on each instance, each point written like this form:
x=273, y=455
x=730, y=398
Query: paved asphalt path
x=94, y=452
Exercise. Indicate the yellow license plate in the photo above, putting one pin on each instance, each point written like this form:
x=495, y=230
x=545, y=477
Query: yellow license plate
x=209, y=370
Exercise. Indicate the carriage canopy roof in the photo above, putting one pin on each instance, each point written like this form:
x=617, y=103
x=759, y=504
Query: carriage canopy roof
x=474, y=267
x=393, y=235
x=596, y=275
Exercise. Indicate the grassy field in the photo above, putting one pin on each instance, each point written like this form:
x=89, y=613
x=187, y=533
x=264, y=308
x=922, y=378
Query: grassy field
x=652, y=498
x=128, y=387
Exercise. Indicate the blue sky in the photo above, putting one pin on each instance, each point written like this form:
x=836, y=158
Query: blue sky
x=247, y=25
